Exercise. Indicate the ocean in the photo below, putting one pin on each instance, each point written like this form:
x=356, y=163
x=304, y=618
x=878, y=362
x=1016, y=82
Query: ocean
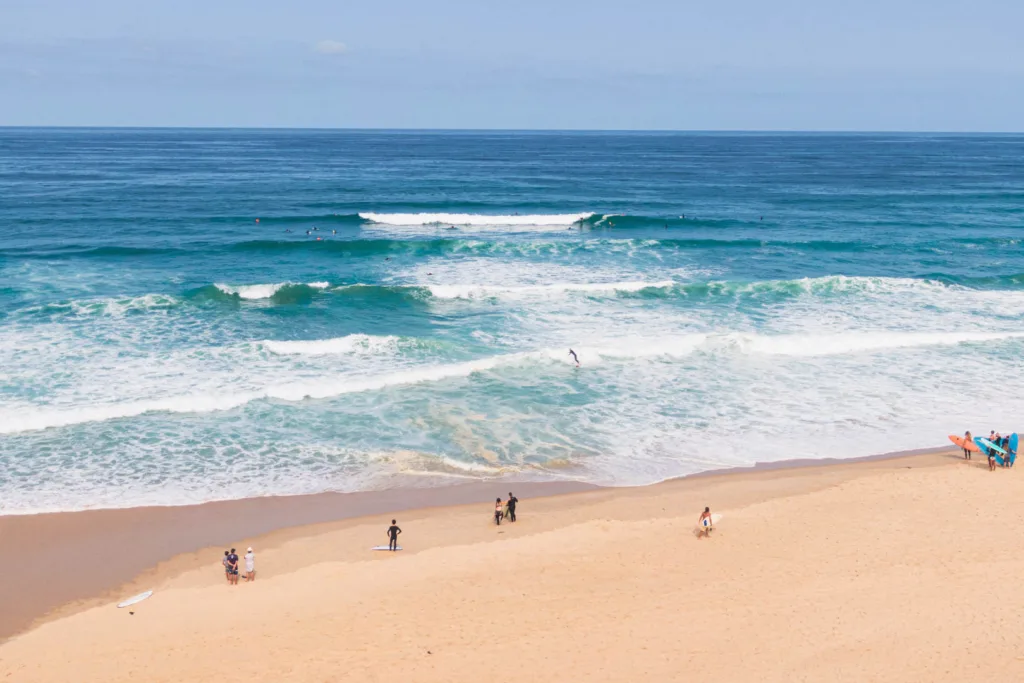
x=732, y=298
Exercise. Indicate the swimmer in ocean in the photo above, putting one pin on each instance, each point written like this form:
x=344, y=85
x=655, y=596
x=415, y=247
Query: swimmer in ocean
x=573, y=354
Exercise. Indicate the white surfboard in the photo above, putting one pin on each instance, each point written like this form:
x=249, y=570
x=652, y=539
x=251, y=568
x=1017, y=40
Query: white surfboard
x=134, y=599
x=384, y=547
x=715, y=519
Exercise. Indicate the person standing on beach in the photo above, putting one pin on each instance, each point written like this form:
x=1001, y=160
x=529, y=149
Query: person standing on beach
x=227, y=566
x=967, y=440
x=233, y=563
x=250, y=565
x=393, y=532
x=512, y=500
x=497, y=511
x=704, y=523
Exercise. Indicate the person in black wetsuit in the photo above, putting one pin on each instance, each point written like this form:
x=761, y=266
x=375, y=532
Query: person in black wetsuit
x=393, y=532
x=573, y=354
x=512, y=500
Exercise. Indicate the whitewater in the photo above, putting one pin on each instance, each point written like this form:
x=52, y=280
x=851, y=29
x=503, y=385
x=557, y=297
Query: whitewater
x=731, y=299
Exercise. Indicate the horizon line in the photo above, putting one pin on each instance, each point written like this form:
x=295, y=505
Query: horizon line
x=360, y=129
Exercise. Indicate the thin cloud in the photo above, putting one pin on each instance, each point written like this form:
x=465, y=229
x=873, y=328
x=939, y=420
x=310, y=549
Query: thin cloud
x=330, y=47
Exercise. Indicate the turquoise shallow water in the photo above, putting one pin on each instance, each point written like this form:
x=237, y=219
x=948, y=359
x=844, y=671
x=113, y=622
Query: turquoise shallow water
x=732, y=298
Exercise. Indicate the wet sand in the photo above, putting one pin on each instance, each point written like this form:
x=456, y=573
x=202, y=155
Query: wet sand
x=882, y=569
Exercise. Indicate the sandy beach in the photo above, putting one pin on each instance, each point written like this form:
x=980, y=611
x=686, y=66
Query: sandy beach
x=898, y=569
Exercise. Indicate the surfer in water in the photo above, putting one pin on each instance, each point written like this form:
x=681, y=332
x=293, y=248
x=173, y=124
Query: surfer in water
x=704, y=523
x=574, y=357
x=393, y=532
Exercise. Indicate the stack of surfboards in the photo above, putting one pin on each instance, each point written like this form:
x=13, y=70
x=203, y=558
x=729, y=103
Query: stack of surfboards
x=1002, y=455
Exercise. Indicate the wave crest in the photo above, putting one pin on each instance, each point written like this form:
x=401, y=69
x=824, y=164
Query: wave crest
x=353, y=343
x=472, y=219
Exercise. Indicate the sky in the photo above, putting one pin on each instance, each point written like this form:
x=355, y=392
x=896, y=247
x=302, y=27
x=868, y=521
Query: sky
x=894, y=65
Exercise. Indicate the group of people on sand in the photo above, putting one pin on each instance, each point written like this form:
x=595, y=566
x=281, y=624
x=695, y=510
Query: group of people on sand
x=502, y=510
x=230, y=563
x=506, y=510
x=998, y=440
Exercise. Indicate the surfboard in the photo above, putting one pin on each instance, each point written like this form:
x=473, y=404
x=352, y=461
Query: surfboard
x=134, y=599
x=988, y=446
x=966, y=445
x=1013, y=448
x=384, y=547
x=715, y=518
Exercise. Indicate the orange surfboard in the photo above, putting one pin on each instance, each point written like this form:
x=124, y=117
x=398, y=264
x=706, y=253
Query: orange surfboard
x=968, y=445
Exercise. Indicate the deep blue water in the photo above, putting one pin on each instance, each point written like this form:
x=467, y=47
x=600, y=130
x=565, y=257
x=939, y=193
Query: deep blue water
x=732, y=298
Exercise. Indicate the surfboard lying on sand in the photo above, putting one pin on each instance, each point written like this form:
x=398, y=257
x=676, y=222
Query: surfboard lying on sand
x=966, y=445
x=384, y=547
x=134, y=599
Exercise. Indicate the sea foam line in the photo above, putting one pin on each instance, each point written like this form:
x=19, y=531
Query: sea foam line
x=411, y=219
x=352, y=343
x=19, y=420
x=477, y=291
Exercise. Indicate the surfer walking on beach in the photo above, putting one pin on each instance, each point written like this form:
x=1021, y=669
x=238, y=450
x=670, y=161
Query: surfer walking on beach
x=704, y=523
x=574, y=357
x=393, y=532
x=511, y=506
x=498, y=511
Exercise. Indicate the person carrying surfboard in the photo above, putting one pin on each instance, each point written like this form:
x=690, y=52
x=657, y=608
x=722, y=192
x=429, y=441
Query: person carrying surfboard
x=967, y=440
x=704, y=523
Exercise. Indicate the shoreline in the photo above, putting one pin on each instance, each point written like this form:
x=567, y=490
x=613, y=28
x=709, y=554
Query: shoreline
x=116, y=550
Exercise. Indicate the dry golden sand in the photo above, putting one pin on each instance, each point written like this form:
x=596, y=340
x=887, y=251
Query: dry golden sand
x=897, y=570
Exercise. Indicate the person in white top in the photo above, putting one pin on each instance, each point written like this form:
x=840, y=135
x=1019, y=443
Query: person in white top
x=250, y=565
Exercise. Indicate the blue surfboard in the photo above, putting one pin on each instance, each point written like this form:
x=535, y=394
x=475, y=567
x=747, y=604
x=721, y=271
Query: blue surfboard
x=1013, y=448
x=989, y=447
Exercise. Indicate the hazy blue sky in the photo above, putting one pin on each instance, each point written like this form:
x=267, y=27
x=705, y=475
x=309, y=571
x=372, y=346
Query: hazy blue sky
x=666, y=64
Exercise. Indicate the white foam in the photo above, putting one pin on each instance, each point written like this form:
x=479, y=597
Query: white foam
x=412, y=219
x=253, y=292
x=353, y=343
x=115, y=306
x=22, y=419
x=472, y=291
x=856, y=342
